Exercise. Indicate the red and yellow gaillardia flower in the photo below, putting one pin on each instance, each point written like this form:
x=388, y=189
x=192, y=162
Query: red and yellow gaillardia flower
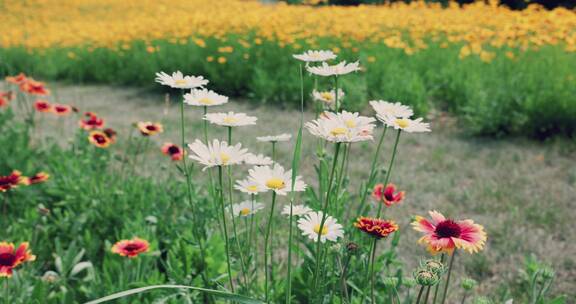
x=91, y=121
x=376, y=227
x=445, y=235
x=34, y=87
x=18, y=79
x=99, y=139
x=42, y=105
x=149, y=128
x=11, y=181
x=5, y=98
x=386, y=194
x=10, y=258
x=61, y=109
x=37, y=178
x=131, y=248
x=175, y=152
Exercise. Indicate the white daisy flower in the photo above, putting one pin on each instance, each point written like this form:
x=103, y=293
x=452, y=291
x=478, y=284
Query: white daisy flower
x=217, y=153
x=315, y=56
x=341, y=68
x=275, y=179
x=408, y=125
x=246, y=208
x=204, y=97
x=310, y=226
x=342, y=127
x=179, y=81
x=257, y=160
x=297, y=210
x=327, y=96
x=275, y=138
x=386, y=109
x=230, y=119
x=250, y=187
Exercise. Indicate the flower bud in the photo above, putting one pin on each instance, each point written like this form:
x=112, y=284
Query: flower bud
x=468, y=283
x=408, y=282
x=434, y=265
x=547, y=273
x=390, y=282
x=352, y=247
x=426, y=277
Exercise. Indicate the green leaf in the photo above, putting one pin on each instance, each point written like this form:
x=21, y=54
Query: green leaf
x=217, y=293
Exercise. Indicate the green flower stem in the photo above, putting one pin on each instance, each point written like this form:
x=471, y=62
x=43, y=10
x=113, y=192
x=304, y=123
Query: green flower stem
x=274, y=151
x=372, y=278
x=448, y=277
x=420, y=294
x=324, y=210
x=189, y=192
x=427, y=294
x=337, y=106
x=205, y=125
x=266, y=249
x=342, y=173
x=464, y=297
x=223, y=209
x=370, y=183
x=437, y=287
x=231, y=210
x=205, y=131
x=389, y=171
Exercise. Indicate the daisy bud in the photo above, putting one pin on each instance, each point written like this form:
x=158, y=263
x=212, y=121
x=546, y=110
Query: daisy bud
x=482, y=300
x=426, y=277
x=336, y=247
x=390, y=282
x=408, y=282
x=352, y=247
x=50, y=276
x=468, y=283
x=434, y=265
x=547, y=273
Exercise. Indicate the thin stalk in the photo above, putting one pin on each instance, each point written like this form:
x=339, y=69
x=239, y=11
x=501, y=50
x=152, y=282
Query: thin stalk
x=372, y=278
x=389, y=171
x=324, y=209
x=437, y=287
x=266, y=243
x=419, y=294
x=372, y=175
x=337, y=106
x=464, y=298
x=427, y=294
x=205, y=125
x=342, y=173
x=273, y=151
x=223, y=209
x=189, y=192
x=448, y=277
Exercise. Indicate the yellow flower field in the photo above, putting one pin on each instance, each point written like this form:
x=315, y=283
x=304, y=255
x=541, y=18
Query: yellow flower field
x=108, y=23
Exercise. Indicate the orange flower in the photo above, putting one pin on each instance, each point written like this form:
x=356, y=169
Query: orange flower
x=386, y=194
x=34, y=87
x=445, y=235
x=10, y=258
x=378, y=228
x=42, y=106
x=149, y=129
x=91, y=121
x=111, y=133
x=131, y=248
x=61, y=109
x=39, y=177
x=18, y=79
x=99, y=139
x=11, y=181
x=5, y=98
x=172, y=150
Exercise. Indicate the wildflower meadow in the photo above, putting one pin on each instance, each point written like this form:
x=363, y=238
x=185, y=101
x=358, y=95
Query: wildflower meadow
x=255, y=152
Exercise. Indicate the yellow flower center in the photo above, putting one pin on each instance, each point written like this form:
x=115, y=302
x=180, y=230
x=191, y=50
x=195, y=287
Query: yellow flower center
x=402, y=122
x=326, y=96
x=224, y=158
x=245, y=211
x=350, y=123
x=206, y=101
x=338, y=131
x=229, y=120
x=179, y=82
x=252, y=188
x=324, y=229
x=275, y=183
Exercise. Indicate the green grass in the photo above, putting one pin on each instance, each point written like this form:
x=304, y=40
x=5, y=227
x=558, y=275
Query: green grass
x=532, y=95
x=522, y=192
